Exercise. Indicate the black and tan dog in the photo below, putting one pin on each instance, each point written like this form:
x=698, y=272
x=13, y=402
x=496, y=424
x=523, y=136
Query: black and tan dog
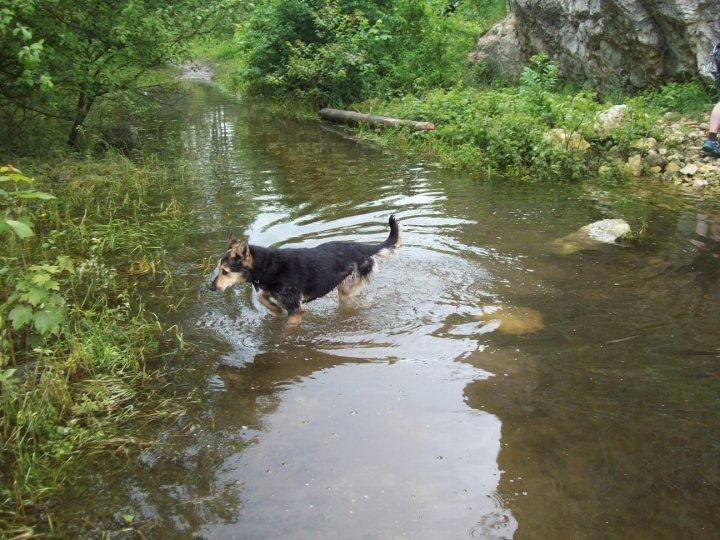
x=289, y=278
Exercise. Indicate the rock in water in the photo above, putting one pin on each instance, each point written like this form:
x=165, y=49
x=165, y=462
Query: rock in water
x=606, y=231
x=515, y=321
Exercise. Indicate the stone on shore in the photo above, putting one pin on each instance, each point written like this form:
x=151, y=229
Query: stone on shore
x=634, y=165
x=571, y=141
x=611, y=119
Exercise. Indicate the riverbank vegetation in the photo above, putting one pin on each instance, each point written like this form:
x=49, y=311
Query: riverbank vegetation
x=82, y=226
x=83, y=238
x=335, y=52
x=537, y=129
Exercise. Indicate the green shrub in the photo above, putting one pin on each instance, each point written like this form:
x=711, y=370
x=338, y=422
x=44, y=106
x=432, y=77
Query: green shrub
x=689, y=97
x=337, y=52
x=501, y=131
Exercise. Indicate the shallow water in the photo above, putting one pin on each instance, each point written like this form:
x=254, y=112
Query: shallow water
x=407, y=413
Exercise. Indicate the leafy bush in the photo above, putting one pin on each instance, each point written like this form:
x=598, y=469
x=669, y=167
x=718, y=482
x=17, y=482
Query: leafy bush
x=501, y=130
x=686, y=97
x=540, y=75
x=59, y=58
x=337, y=52
x=535, y=130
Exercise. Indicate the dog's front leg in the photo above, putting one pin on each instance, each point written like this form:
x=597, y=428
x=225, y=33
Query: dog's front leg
x=265, y=301
x=294, y=307
x=295, y=314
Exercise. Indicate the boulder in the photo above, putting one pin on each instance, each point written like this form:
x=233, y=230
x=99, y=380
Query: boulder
x=654, y=159
x=610, y=43
x=672, y=167
x=648, y=144
x=515, y=321
x=611, y=119
x=689, y=170
x=634, y=165
x=499, y=51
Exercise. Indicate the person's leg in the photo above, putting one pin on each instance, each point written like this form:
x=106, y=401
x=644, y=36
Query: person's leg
x=714, y=121
x=712, y=145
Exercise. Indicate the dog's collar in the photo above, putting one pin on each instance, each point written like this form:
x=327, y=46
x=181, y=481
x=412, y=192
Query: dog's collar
x=256, y=284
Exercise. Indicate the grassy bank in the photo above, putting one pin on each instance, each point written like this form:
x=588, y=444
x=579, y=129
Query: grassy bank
x=535, y=130
x=76, y=341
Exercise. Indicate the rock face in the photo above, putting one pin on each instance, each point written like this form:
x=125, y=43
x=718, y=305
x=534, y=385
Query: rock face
x=499, y=49
x=610, y=43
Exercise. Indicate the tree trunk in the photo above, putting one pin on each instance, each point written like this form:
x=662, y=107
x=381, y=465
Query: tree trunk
x=338, y=115
x=81, y=112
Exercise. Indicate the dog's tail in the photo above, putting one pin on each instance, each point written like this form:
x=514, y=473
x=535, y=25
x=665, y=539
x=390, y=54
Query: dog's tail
x=393, y=241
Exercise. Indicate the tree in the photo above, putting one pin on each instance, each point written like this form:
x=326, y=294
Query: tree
x=59, y=57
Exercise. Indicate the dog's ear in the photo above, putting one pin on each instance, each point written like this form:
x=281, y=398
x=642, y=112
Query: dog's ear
x=241, y=249
x=232, y=240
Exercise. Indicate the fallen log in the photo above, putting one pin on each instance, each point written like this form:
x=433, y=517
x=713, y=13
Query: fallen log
x=338, y=115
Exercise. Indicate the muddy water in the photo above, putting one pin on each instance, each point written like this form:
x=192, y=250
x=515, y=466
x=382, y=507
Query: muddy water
x=408, y=413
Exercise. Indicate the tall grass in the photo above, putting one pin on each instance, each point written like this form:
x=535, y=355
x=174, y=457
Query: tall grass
x=72, y=394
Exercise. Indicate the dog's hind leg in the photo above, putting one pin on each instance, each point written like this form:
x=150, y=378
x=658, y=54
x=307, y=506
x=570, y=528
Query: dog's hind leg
x=350, y=287
x=295, y=314
x=352, y=284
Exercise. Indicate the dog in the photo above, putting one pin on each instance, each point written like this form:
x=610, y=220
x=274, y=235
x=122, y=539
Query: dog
x=286, y=279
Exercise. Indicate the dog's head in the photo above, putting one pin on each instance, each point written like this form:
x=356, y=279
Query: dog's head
x=234, y=267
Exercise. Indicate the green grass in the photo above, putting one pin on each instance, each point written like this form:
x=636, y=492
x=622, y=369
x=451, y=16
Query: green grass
x=689, y=98
x=87, y=389
x=501, y=130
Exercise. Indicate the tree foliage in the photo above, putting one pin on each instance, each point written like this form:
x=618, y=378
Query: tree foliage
x=59, y=57
x=339, y=51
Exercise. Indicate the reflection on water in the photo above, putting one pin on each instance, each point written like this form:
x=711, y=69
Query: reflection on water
x=708, y=231
x=408, y=413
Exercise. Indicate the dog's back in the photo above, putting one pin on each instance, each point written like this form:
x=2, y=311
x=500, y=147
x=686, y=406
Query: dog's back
x=315, y=272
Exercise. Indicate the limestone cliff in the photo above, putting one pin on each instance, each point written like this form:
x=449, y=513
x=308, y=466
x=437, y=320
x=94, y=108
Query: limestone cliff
x=627, y=43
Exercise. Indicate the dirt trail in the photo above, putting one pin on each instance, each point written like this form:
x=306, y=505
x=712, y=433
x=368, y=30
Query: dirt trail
x=196, y=70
